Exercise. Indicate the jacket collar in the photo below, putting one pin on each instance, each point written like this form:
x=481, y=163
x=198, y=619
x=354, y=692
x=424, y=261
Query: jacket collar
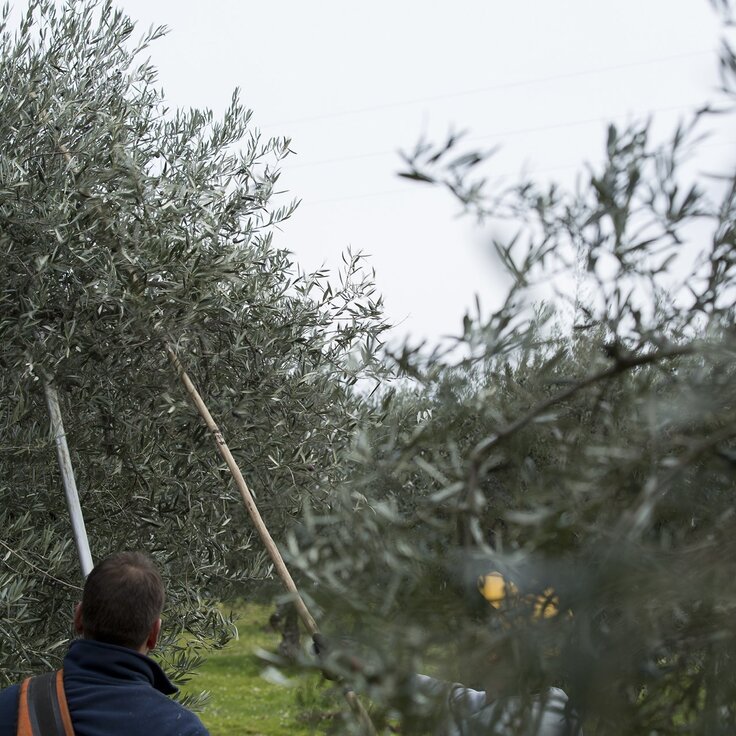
x=114, y=663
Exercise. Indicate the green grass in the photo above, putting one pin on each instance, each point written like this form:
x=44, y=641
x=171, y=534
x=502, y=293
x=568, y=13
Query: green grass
x=242, y=701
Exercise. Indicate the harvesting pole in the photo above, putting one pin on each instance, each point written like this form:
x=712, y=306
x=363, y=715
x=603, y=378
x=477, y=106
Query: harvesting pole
x=250, y=505
x=67, y=477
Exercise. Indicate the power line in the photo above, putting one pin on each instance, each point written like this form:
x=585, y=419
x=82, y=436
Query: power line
x=543, y=170
x=490, y=88
x=499, y=134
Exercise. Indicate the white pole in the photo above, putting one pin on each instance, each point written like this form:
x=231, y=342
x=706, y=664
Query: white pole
x=67, y=476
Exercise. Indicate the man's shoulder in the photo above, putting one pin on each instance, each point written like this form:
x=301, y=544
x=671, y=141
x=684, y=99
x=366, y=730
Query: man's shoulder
x=9, y=695
x=121, y=713
x=188, y=722
x=9, y=710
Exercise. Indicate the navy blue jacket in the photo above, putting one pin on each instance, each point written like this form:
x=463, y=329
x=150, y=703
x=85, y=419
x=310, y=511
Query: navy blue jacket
x=113, y=691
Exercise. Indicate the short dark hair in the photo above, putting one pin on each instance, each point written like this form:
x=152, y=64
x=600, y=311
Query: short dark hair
x=123, y=597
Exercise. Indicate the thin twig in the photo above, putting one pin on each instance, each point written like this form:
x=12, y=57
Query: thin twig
x=622, y=364
x=634, y=522
x=37, y=569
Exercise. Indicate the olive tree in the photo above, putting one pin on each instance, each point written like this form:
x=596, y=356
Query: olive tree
x=125, y=227
x=583, y=447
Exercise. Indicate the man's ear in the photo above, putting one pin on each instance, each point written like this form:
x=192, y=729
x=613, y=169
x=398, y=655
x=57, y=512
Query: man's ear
x=78, y=627
x=153, y=635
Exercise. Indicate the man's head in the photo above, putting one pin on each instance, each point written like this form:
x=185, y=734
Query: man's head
x=122, y=602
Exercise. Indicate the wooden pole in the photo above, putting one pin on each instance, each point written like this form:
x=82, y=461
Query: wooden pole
x=263, y=533
x=67, y=476
x=250, y=504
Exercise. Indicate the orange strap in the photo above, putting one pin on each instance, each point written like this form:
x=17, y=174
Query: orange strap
x=24, y=720
x=63, y=707
x=28, y=717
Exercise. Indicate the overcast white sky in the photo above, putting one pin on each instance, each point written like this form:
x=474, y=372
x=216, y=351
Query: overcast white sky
x=351, y=83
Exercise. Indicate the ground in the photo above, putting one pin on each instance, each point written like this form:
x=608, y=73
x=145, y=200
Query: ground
x=244, y=699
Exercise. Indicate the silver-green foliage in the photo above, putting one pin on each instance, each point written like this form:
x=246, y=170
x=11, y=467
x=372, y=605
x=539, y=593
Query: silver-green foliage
x=125, y=225
x=587, y=445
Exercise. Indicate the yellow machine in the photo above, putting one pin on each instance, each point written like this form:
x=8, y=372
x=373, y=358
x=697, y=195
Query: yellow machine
x=501, y=594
